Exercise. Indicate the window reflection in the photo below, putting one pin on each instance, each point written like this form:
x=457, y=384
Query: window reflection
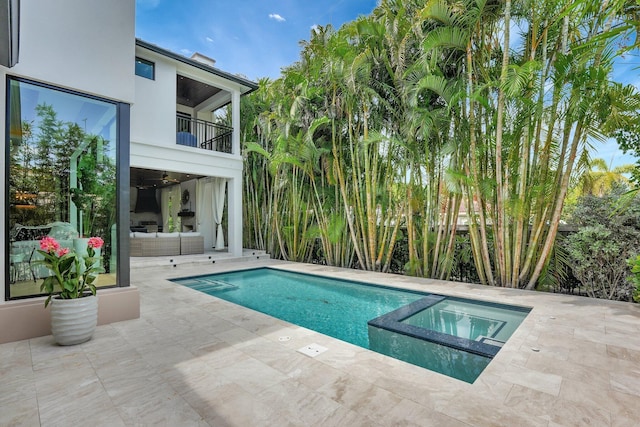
x=145, y=69
x=62, y=179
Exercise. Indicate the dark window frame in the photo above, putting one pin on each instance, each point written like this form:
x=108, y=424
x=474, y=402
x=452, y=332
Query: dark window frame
x=123, y=120
x=148, y=63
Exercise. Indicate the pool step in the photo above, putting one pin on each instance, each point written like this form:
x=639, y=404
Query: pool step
x=205, y=284
x=173, y=262
x=490, y=341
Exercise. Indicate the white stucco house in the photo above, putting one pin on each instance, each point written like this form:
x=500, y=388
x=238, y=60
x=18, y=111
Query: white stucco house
x=97, y=123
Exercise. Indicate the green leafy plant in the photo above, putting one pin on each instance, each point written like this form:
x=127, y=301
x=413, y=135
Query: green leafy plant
x=597, y=263
x=634, y=263
x=605, y=240
x=73, y=276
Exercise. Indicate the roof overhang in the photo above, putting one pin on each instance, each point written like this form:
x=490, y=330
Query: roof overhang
x=247, y=86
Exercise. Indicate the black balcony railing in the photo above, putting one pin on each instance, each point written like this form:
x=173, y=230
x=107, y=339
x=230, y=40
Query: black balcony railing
x=203, y=134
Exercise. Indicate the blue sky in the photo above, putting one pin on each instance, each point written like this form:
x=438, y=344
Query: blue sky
x=256, y=38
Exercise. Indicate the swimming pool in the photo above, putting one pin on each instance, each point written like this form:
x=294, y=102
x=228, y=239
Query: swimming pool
x=453, y=336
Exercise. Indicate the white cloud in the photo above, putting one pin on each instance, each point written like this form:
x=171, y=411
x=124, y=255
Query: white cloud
x=276, y=17
x=314, y=28
x=209, y=39
x=186, y=52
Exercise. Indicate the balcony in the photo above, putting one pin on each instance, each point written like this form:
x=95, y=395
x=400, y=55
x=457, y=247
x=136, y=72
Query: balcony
x=203, y=134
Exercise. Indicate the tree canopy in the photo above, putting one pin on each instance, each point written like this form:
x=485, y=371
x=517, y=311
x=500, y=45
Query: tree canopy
x=423, y=120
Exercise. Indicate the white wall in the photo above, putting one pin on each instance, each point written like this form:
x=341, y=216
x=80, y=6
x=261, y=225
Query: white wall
x=153, y=115
x=87, y=45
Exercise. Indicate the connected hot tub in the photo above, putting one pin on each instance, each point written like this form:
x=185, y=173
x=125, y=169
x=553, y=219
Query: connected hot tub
x=453, y=336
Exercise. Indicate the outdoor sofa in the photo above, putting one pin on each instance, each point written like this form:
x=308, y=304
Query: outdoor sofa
x=165, y=244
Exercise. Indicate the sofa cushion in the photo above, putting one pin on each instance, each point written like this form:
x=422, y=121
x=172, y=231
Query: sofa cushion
x=190, y=234
x=166, y=235
x=139, y=235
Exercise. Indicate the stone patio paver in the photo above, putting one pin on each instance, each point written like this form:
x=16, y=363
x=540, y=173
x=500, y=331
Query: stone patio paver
x=192, y=359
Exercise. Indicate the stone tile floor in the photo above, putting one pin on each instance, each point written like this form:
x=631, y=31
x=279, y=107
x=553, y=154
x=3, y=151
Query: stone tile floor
x=192, y=359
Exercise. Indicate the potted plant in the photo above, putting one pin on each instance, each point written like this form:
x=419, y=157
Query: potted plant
x=71, y=290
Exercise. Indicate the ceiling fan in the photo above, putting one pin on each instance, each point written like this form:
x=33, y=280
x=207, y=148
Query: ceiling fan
x=166, y=179
x=144, y=183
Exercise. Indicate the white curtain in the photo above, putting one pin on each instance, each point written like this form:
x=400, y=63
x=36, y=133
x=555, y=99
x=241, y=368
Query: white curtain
x=170, y=193
x=217, y=206
x=176, y=204
x=204, y=223
x=165, y=195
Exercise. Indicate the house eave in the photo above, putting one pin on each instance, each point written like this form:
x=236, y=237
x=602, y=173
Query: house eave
x=247, y=85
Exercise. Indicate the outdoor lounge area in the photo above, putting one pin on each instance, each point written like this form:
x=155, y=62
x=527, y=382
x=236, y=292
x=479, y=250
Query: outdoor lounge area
x=163, y=244
x=192, y=359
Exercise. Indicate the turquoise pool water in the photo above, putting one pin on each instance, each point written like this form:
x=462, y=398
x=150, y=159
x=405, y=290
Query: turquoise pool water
x=335, y=308
x=448, y=335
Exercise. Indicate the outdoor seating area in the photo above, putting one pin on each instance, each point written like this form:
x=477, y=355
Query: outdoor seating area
x=163, y=244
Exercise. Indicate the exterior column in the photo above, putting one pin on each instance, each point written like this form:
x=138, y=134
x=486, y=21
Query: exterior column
x=234, y=190
x=235, y=122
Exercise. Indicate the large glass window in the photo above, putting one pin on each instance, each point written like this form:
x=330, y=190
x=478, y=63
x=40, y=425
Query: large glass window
x=61, y=179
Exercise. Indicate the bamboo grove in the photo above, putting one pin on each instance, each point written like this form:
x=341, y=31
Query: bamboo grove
x=427, y=117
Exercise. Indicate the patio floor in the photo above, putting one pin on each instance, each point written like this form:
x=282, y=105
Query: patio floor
x=192, y=359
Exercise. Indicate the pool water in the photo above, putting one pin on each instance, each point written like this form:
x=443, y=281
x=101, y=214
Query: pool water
x=452, y=336
x=469, y=320
x=335, y=308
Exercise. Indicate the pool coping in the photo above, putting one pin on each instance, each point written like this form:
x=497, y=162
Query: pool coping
x=392, y=322
x=192, y=358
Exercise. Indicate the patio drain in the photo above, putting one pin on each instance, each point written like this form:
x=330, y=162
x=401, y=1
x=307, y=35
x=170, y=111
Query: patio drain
x=312, y=350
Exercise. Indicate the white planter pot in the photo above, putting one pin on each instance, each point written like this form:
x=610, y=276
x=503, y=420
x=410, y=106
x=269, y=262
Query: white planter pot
x=73, y=321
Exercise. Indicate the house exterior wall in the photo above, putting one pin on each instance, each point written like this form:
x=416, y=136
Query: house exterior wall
x=87, y=47
x=153, y=133
x=153, y=115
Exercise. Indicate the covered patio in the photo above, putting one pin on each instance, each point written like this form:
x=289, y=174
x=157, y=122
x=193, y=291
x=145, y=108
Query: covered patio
x=177, y=202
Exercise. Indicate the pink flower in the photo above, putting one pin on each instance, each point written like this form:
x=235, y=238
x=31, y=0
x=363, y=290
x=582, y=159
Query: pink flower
x=95, y=242
x=62, y=252
x=49, y=244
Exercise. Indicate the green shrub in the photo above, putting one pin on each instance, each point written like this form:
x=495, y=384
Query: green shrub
x=605, y=240
x=634, y=263
x=598, y=262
